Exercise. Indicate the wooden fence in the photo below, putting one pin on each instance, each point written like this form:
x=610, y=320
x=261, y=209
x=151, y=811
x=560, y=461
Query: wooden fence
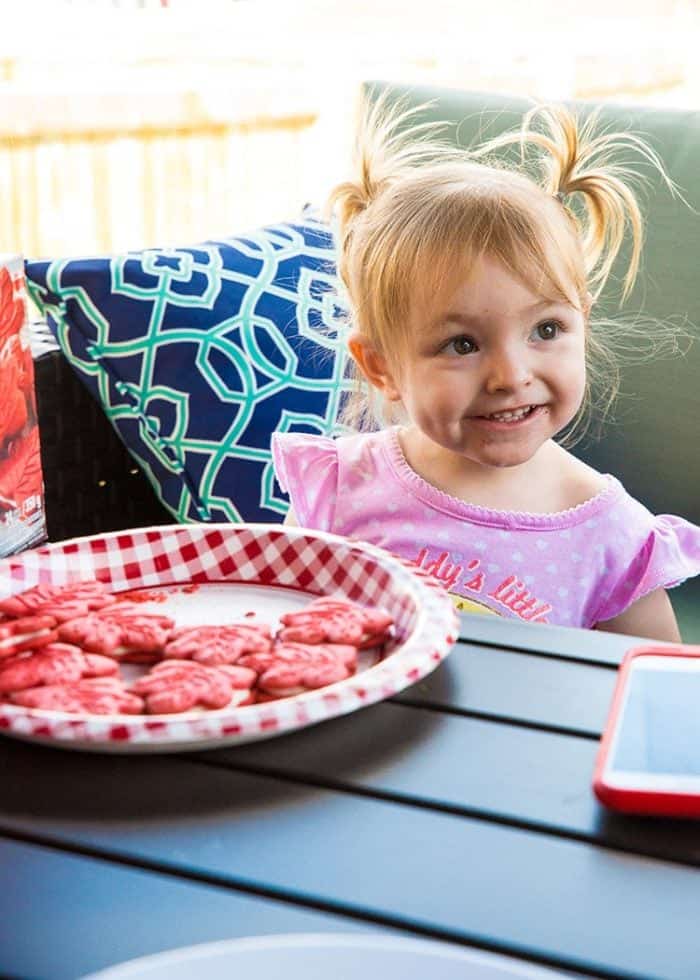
x=109, y=189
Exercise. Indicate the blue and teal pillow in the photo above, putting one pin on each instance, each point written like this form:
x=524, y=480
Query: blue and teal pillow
x=198, y=354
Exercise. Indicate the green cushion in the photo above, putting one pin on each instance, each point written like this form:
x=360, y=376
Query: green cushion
x=652, y=443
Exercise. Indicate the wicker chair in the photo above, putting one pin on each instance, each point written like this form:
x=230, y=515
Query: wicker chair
x=91, y=483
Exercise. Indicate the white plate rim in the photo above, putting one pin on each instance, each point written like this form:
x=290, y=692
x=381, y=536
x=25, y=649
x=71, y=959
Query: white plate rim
x=385, y=942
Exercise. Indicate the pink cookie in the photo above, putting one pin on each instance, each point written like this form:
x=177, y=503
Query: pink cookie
x=101, y=696
x=63, y=602
x=173, y=686
x=57, y=663
x=26, y=633
x=291, y=668
x=216, y=645
x=240, y=678
x=334, y=620
x=123, y=631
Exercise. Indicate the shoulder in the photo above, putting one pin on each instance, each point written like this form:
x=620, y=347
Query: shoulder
x=303, y=456
x=306, y=470
x=645, y=554
x=343, y=447
x=316, y=471
x=294, y=452
x=579, y=481
x=287, y=442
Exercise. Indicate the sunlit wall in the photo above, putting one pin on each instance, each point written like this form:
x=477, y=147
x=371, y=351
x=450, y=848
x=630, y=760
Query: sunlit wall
x=127, y=124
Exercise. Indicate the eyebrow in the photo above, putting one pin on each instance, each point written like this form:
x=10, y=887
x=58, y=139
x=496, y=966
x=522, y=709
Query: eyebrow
x=470, y=321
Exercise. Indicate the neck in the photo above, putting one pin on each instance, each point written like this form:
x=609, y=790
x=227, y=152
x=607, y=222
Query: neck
x=531, y=485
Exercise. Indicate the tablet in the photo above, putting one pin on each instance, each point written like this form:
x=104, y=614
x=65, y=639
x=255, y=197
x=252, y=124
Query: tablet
x=649, y=757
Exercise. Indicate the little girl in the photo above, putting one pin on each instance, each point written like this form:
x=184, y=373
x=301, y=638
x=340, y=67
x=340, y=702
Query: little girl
x=470, y=288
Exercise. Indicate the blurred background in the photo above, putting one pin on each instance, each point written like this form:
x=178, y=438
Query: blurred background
x=134, y=123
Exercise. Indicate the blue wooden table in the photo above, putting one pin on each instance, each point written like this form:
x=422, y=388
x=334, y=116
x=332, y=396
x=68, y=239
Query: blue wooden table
x=461, y=810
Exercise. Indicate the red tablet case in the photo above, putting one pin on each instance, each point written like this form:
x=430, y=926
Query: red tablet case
x=651, y=802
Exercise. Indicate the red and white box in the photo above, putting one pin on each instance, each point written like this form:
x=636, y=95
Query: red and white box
x=22, y=516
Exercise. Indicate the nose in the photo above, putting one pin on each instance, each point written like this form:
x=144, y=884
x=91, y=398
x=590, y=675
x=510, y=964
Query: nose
x=507, y=369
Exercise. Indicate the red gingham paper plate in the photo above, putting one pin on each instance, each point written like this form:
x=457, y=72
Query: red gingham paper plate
x=211, y=573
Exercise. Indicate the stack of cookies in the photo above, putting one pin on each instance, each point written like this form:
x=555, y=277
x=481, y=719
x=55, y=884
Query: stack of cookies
x=61, y=648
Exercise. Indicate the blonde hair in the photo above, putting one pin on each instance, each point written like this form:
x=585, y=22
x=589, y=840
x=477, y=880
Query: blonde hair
x=420, y=211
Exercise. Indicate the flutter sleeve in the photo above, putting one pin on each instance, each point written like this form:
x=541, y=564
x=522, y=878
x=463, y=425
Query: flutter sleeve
x=306, y=467
x=667, y=556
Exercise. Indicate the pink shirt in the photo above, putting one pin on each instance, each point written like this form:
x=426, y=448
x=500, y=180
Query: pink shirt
x=577, y=567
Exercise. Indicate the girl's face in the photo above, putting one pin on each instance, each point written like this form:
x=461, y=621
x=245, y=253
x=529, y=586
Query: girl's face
x=493, y=373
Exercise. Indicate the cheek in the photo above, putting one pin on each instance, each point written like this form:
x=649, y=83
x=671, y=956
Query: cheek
x=425, y=400
x=573, y=381
x=438, y=389
x=441, y=388
x=572, y=367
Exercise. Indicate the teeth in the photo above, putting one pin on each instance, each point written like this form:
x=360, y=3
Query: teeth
x=511, y=416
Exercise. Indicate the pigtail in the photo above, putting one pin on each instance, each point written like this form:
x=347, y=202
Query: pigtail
x=389, y=145
x=580, y=160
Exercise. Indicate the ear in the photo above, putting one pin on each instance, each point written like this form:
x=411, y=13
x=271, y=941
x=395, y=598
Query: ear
x=374, y=366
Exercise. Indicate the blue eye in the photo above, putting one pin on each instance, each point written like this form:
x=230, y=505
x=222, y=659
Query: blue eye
x=549, y=330
x=462, y=345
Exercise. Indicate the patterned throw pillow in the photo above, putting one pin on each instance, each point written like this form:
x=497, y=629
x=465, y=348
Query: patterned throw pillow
x=198, y=354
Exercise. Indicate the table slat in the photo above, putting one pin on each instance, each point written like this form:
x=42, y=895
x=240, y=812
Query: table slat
x=64, y=915
x=520, y=776
x=519, y=686
x=502, y=887
x=547, y=640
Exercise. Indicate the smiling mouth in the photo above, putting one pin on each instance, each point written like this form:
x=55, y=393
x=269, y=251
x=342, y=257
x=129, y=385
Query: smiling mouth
x=511, y=415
